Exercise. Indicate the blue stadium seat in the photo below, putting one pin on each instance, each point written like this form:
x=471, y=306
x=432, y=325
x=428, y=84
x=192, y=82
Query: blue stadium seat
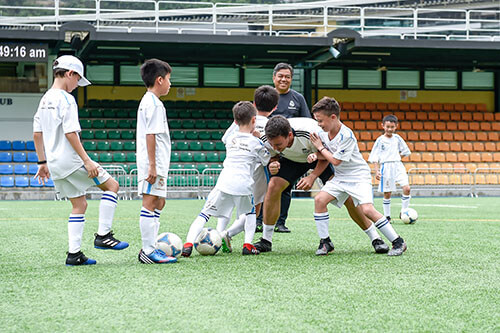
x=20, y=169
x=49, y=183
x=18, y=145
x=22, y=181
x=32, y=157
x=30, y=145
x=34, y=182
x=32, y=169
x=5, y=145
x=5, y=157
x=5, y=169
x=7, y=181
x=19, y=157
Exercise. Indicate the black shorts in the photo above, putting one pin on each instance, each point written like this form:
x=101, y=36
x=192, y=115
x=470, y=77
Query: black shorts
x=291, y=171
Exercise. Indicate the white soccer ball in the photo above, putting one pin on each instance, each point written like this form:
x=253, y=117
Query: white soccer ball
x=409, y=216
x=208, y=242
x=169, y=243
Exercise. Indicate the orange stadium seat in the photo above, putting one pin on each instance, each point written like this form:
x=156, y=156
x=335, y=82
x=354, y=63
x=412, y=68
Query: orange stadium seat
x=433, y=116
x=370, y=106
x=437, y=107
x=475, y=157
x=426, y=107
x=366, y=155
x=400, y=115
x=411, y=145
x=448, y=107
x=424, y=136
x=497, y=116
x=443, y=146
x=467, y=179
x=365, y=115
x=478, y=116
x=483, y=165
x=459, y=107
x=417, y=180
x=409, y=166
x=447, y=136
x=372, y=125
x=455, y=179
x=417, y=125
x=474, y=126
x=422, y=115
x=488, y=116
x=492, y=179
x=478, y=146
x=427, y=157
x=369, y=145
x=486, y=157
x=348, y=106
x=423, y=166
x=403, y=135
x=404, y=107
x=415, y=106
x=348, y=123
x=451, y=157
x=429, y=125
x=496, y=157
x=446, y=165
x=439, y=157
x=444, y=116
x=451, y=126
x=480, y=179
x=470, y=136
x=455, y=146
x=442, y=180
x=493, y=136
x=467, y=116
x=463, y=157
x=381, y=106
x=481, y=107
x=495, y=126
x=485, y=126
x=490, y=146
x=436, y=136
x=420, y=146
x=470, y=107
x=405, y=125
x=459, y=136
x=358, y=106
x=359, y=125
x=377, y=116
x=393, y=107
x=481, y=136
x=471, y=166
x=412, y=136
x=410, y=115
x=467, y=146
x=432, y=146
x=365, y=136
x=459, y=167
x=494, y=165
x=416, y=157
x=455, y=116
x=362, y=146
x=430, y=180
x=463, y=126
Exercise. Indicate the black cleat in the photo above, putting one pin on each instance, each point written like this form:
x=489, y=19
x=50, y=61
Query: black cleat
x=281, y=228
x=187, y=249
x=264, y=245
x=380, y=246
x=259, y=228
x=108, y=242
x=398, y=247
x=249, y=249
x=77, y=259
x=325, y=247
x=389, y=219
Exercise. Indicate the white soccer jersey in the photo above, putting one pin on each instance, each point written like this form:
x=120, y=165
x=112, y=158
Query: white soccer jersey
x=388, y=149
x=302, y=145
x=344, y=147
x=152, y=119
x=243, y=153
x=57, y=115
x=260, y=124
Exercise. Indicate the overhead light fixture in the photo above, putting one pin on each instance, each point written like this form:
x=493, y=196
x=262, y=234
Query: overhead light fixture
x=372, y=53
x=123, y=48
x=288, y=51
x=334, y=52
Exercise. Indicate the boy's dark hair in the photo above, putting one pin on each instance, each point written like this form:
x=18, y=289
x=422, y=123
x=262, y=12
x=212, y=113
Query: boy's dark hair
x=328, y=106
x=58, y=72
x=390, y=118
x=266, y=98
x=277, y=126
x=151, y=69
x=282, y=65
x=243, y=112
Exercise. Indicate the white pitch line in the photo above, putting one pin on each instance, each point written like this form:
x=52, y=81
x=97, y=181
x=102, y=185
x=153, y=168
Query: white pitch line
x=444, y=206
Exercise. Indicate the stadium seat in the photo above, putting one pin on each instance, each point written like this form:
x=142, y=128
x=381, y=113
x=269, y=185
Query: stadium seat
x=471, y=166
x=459, y=136
x=116, y=145
x=217, y=135
x=175, y=166
x=114, y=135
x=105, y=157
x=18, y=145
x=85, y=123
x=174, y=157
x=442, y=180
x=212, y=157
x=34, y=182
x=467, y=146
x=481, y=136
x=6, y=169
x=410, y=116
x=103, y=145
x=443, y=146
x=463, y=126
x=19, y=157
x=224, y=124
x=32, y=169
x=490, y=146
x=84, y=113
x=463, y=157
x=111, y=124
x=219, y=145
x=436, y=136
x=474, y=126
x=208, y=114
x=124, y=113
x=208, y=146
x=432, y=146
x=192, y=135
x=415, y=157
x=420, y=146
x=98, y=123
x=493, y=136
x=417, y=125
x=101, y=135
x=430, y=180
x=181, y=145
x=5, y=145
x=108, y=113
x=439, y=157
x=7, y=181
x=412, y=136
x=20, y=169
x=132, y=158
x=5, y=157
x=478, y=146
x=175, y=124
x=422, y=116
x=486, y=157
x=426, y=107
x=222, y=156
x=87, y=135
x=405, y=125
x=429, y=126
x=424, y=136
x=90, y=145
x=447, y=136
x=49, y=183
x=362, y=146
x=125, y=124
x=188, y=124
x=372, y=125
x=178, y=135
x=204, y=135
x=30, y=145
x=417, y=180
x=444, y=116
x=451, y=126
x=364, y=115
x=199, y=157
x=119, y=157
x=438, y=107
x=195, y=145
x=32, y=157
x=492, y=179
x=22, y=181
x=127, y=135
x=427, y=157
x=189, y=166
x=186, y=157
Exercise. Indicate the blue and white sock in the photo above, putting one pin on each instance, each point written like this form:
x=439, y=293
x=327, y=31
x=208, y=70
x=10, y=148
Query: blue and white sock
x=322, y=224
x=197, y=227
x=76, y=222
x=148, y=226
x=157, y=214
x=405, y=201
x=386, y=203
x=107, y=208
x=386, y=229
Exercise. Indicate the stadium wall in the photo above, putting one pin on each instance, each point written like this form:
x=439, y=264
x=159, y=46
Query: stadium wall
x=16, y=115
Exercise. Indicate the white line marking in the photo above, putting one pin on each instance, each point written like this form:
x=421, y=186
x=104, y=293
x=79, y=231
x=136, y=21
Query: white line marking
x=438, y=205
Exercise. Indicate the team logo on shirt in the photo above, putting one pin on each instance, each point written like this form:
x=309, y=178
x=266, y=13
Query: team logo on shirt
x=382, y=147
x=291, y=105
x=305, y=151
x=161, y=182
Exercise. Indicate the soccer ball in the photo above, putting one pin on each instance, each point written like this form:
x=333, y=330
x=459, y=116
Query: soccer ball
x=208, y=242
x=409, y=216
x=169, y=243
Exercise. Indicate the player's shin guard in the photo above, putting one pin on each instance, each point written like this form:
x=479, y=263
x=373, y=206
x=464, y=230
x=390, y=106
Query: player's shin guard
x=107, y=208
x=386, y=228
x=251, y=221
x=76, y=222
x=157, y=214
x=148, y=227
x=386, y=204
x=322, y=224
x=405, y=201
x=197, y=227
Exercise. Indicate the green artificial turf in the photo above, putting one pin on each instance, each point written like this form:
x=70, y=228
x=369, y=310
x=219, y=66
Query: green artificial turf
x=448, y=280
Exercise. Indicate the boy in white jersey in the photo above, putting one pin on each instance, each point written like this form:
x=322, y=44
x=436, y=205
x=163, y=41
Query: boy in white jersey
x=153, y=158
x=387, y=152
x=244, y=152
x=338, y=145
x=62, y=156
x=265, y=100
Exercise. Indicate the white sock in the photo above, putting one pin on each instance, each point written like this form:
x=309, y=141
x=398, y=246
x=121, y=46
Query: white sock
x=372, y=233
x=405, y=201
x=322, y=223
x=107, y=208
x=197, y=227
x=157, y=214
x=386, y=203
x=76, y=222
x=222, y=223
x=386, y=229
x=238, y=226
x=148, y=227
x=251, y=221
x=267, y=232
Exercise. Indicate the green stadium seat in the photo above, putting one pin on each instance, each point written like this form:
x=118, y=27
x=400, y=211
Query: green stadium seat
x=84, y=113
x=172, y=114
x=200, y=124
x=188, y=124
x=131, y=157
x=105, y=157
x=181, y=145
x=189, y=166
x=133, y=123
x=204, y=135
x=178, y=135
x=176, y=166
x=123, y=123
x=116, y=145
x=174, y=157
x=112, y=123
x=192, y=135
x=217, y=135
x=222, y=115
x=186, y=157
x=195, y=145
x=212, y=124
x=175, y=124
x=128, y=135
x=119, y=157
x=224, y=124
x=89, y=145
x=98, y=123
x=103, y=145
x=109, y=113
x=129, y=146
x=96, y=113
x=200, y=167
x=209, y=181
x=219, y=145
x=132, y=113
x=132, y=166
x=170, y=181
x=101, y=135
x=185, y=114
x=180, y=180
x=114, y=135
x=124, y=181
x=199, y=157
x=216, y=166
x=212, y=157
x=122, y=114
x=196, y=115
x=193, y=180
x=85, y=123
x=208, y=145
x=94, y=156
x=87, y=135
x=208, y=114
x=222, y=156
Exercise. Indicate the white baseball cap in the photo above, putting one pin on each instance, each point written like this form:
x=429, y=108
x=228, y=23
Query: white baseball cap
x=74, y=64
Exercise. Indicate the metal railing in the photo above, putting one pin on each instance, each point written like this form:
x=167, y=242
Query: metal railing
x=313, y=19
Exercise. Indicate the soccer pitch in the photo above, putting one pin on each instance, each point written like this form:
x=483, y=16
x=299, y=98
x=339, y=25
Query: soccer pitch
x=448, y=279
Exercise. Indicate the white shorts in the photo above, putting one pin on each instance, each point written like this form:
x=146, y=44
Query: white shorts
x=220, y=204
x=261, y=180
x=392, y=173
x=158, y=189
x=76, y=184
x=361, y=193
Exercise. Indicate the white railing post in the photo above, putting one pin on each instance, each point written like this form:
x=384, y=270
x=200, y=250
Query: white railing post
x=415, y=23
x=56, y=11
x=325, y=20
x=270, y=13
x=97, y=13
x=362, y=21
x=214, y=18
x=467, y=23
x=157, y=15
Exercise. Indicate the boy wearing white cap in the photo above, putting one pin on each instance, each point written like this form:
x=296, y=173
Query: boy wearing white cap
x=62, y=157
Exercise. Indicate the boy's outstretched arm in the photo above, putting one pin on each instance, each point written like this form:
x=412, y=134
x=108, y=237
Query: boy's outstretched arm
x=89, y=165
x=43, y=173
